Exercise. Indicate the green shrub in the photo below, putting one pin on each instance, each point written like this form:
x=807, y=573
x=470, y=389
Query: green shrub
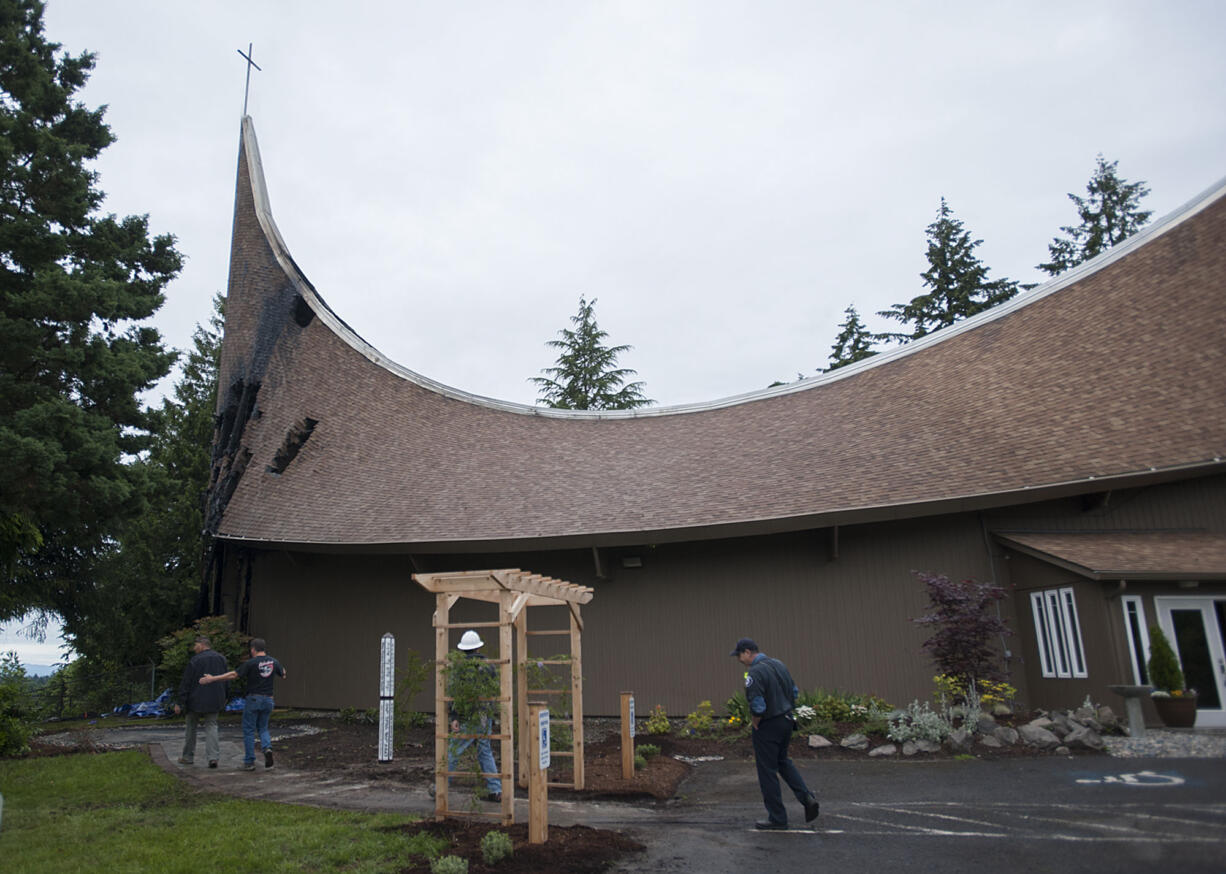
x=471, y=683
x=701, y=723
x=918, y=722
x=15, y=711
x=449, y=865
x=413, y=678
x=495, y=847
x=647, y=751
x=354, y=716
x=1164, y=672
x=639, y=762
x=177, y=649
x=738, y=712
x=657, y=722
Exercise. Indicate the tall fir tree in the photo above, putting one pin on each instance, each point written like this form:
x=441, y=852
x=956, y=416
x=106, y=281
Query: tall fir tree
x=957, y=282
x=147, y=583
x=1110, y=214
x=75, y=290
x=854, y=342
x=586, y=376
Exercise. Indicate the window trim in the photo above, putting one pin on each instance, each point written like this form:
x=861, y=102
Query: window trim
x=1138, y=650
x=1058, y=633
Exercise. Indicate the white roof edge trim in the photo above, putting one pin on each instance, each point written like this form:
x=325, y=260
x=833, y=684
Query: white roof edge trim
x=263, y=211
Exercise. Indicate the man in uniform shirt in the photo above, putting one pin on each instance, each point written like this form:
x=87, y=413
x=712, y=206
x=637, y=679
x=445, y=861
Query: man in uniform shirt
x=772, y=695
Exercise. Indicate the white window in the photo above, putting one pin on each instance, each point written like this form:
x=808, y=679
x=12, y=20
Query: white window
x=1138, y=638
x=1058, y=633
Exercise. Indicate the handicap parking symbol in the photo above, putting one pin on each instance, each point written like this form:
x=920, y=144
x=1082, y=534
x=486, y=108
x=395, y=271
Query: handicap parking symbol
x=1140, y=778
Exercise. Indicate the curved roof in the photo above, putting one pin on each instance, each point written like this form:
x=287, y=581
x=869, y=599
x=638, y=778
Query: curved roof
x=1111, y=374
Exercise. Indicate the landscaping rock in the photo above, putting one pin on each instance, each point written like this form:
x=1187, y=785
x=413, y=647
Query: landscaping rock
x=927, y=746
x=854, y=742
x=1041, y=722
x=909, y=748
x=1037, y=736
x=1006, y=734
x=884, y=750
x=1001, y=709
x=1061, y=751
x=986, y=724
x=959, y=741
x=988, y=740
x=1083, y=738
x=1107, y=718
x=818, y=742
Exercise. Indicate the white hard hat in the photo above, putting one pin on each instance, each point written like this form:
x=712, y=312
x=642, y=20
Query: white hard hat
x=470, y=640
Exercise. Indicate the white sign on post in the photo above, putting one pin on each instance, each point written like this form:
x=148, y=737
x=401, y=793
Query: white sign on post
x=632, y=716
x=544, y=740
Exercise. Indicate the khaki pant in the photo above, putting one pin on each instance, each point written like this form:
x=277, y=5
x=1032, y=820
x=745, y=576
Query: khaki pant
x=212, y=746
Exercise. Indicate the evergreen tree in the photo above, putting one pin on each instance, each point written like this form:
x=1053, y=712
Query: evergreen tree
x=586, y=376
x=853, y=343
x=957, y=282
x=75, y=287
x=1109, y=215
x=146, y=585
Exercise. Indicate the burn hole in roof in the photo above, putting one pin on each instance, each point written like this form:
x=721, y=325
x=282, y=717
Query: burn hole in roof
x=303, y=314
x=295, y=439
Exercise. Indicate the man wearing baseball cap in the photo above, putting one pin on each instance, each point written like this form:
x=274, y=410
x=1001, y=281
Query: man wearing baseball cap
x=772, y=696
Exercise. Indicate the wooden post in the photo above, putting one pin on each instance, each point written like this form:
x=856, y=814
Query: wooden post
x=627, y=736
x=506, y=717
x=442, y=725
x=576, y=694
x=521, y=695
x=538, y=788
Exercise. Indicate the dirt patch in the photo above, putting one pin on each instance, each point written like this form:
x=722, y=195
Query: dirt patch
x=573, y=849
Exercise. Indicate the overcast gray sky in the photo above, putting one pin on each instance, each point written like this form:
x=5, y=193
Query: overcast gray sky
x=725, y=178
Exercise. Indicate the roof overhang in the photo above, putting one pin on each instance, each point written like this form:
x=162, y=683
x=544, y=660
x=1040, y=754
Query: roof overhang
x=1126, y=555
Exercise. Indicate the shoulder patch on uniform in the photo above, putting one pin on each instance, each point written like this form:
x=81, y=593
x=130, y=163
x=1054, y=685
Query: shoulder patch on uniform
x=748, y=681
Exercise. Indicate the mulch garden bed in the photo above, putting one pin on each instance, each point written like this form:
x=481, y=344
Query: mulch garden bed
x=575, y=848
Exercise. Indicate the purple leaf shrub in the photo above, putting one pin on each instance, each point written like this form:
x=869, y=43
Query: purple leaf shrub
x=964, y=626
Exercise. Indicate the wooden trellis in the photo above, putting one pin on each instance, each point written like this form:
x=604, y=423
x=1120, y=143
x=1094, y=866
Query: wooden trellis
x=513, y=591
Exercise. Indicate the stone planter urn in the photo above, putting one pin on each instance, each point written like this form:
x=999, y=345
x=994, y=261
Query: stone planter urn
x=1176, y=712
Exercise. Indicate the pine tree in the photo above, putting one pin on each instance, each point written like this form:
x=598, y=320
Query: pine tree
x=1108, y=216
x=853, y=343
x=586, y=376
x=957, y=281
x=75, y=289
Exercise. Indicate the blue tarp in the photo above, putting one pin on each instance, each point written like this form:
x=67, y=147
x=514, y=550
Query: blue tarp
x=162, y=705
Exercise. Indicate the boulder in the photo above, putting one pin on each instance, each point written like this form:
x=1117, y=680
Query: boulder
x=1106, y=717
x=959, y=740
x=818, y=742
x=909, y=748
x=1061, y=751
x=854, y=742
x=1006, y=734
x=884, y=750
x=1041, y=722
x=1001, y=709
x=1038, y=736
x=988, y=740
x=924, y=745
x=1083, y=738
x=985, y=724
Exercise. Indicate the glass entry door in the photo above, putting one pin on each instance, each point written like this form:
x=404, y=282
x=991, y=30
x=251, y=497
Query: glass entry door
x=1196, y=628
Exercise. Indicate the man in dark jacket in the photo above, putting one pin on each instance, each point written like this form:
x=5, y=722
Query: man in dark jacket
x=772, y=695
x=202, y=702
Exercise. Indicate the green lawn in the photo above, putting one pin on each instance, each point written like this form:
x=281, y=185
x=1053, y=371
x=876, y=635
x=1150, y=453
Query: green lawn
x=117, y=812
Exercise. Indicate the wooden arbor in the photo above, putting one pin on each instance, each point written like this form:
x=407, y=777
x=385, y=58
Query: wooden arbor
x=513, y=591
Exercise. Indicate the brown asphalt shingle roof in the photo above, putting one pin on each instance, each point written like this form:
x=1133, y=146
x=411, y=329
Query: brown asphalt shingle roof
x=1115, y=372
x=1192, y=555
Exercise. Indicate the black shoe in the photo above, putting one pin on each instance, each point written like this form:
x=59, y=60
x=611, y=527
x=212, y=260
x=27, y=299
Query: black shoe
x=769, y=825
x=267, y=758
x=213, y=763
x=811, y=807
x=495, y=797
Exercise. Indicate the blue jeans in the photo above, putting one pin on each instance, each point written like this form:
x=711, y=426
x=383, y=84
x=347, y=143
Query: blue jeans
x=485, y=755
x=256, y=710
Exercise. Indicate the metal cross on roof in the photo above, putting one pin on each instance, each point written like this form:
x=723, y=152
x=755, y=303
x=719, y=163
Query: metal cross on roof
x=250, y=64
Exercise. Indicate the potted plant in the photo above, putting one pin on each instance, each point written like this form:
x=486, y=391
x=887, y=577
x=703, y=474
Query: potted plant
x=1176, y=704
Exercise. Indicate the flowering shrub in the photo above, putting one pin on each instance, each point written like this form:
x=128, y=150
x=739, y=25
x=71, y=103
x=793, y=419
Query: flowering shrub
x=973, y=693
x=657, y=722
x=918, y=722
x=835, y=707
x=702, y=721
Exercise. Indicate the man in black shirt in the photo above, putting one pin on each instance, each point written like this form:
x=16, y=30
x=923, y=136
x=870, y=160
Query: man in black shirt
x=201, y=702
x=259, y=671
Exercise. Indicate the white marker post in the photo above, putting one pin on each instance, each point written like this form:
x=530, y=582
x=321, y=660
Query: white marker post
x=627, y=735
x=387, y=695
x=538, y=767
